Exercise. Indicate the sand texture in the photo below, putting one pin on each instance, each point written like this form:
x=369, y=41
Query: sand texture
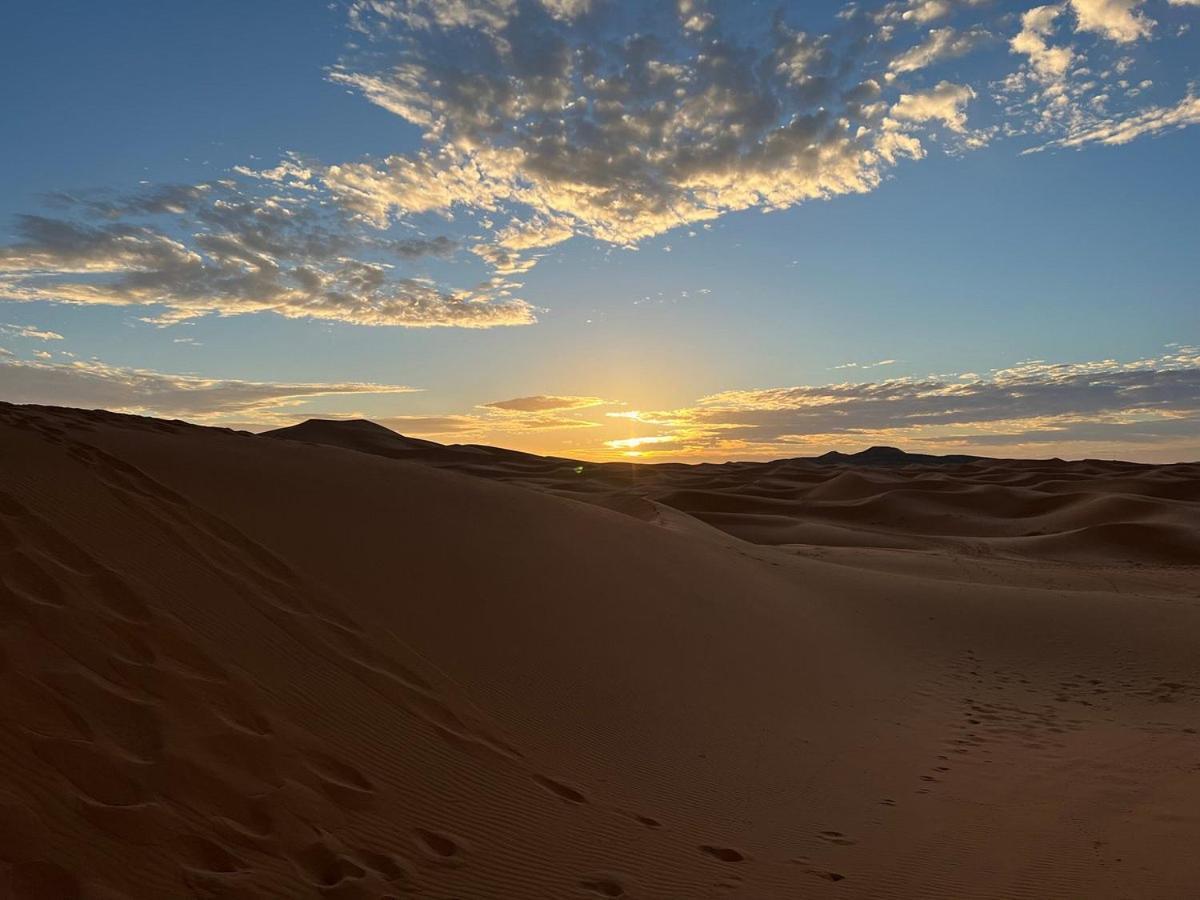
x=334, y=662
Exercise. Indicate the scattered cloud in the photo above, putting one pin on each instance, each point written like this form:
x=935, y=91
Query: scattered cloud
x=1078, y=75
x=543, y=403
x=222, y=248
x=430, y=425
x=871, y=365
x=939, y=44
x=548, y=126
x=1154, y=120
x=94, y=384
x=31, y=332
x=921, y=11
x=544, y=120
x=1067, y=404
x=1147, y=406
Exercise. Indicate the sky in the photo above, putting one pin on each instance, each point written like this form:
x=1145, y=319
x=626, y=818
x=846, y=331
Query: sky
x=687, y=230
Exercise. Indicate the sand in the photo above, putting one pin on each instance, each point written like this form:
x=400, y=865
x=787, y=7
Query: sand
x=333, y=662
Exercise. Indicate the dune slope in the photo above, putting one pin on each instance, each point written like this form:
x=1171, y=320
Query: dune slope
x=1092, y=511
x=233, y=666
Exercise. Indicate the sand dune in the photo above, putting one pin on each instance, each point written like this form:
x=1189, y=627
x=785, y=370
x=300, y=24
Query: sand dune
x=334, y=662
x=1076, y=511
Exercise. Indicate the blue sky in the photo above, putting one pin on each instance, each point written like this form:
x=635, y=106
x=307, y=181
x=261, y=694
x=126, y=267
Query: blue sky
x=687, y=230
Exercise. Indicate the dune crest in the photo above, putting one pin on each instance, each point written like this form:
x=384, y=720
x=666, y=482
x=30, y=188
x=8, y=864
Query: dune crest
x=1090, y=511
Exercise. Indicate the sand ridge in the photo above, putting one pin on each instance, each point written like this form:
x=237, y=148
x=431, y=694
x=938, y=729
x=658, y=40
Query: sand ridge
x=1091, y=511
x=232, y=665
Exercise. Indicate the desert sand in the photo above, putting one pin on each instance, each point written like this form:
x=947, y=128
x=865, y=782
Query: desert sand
x=331, y=661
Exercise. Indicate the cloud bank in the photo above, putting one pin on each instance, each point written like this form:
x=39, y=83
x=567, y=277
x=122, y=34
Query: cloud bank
x=1032, y=403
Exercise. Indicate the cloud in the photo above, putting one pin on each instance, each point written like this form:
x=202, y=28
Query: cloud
x=433, y=425
x=1117, y=20
x=500, y=419
x=943, y=103
x=31, y=332
x=543, y=403
x=871, y=365
x=223, y=248
x=1065, y=89
x=1151, y=121
x=539, y=125
x=94, y=384
x=922, y=11
x=1152, y=396
x=538, y=121
x=940, y=44
x=1049, y=63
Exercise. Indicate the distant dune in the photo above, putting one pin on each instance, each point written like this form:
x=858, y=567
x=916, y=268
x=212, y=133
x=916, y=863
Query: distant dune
x=1090, y=511
x=335, y=662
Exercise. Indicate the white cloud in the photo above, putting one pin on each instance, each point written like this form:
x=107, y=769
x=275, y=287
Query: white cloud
x=1153, y=120
x=31, y=332
x=94, y=384
x=943, y=103
x=567, y=9
x=1117, y=20
x=540, y=128
x=922, y=11
x=938, y=45
x=542, y=120
x=1106, y=400
x=870, y=365
x=1048, y=62
x=219, y=248
x=543, y=403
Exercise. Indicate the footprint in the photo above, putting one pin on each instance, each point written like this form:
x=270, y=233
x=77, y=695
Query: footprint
x=389, y=867
x=828, y=876
x=204, y=855
x=724, y=854
x=560, y=789
x=836, y=837
x=438, y=846
x=337, y=774
x=603, y=887
x=326, y=867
